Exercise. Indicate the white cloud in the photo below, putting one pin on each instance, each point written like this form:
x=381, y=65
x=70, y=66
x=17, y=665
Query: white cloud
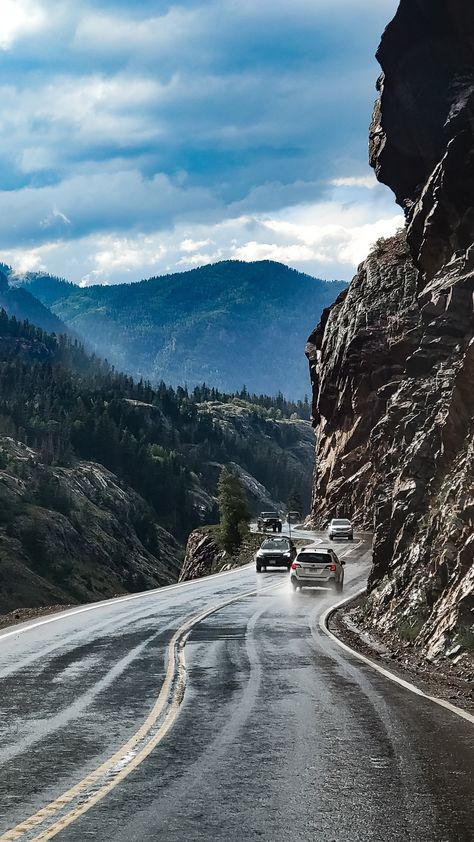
x=333, y=232
x=190, y=245
x=18, y=18
x=142, y=136
x=122, y=255
x=368, y=181
x=55, y=214
x=72, y=114
x=125, y=34
x=202, y=258
x=35, y=158
x=31, y=260
x=290, y=254
x=326, y=239
x=100, y=199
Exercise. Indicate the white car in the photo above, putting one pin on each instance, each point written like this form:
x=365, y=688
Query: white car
x=340, y=528
x=316, y=566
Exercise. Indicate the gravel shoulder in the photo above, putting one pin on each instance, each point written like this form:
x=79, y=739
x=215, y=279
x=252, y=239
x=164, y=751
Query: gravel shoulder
x=453, y=682
x=23, y=615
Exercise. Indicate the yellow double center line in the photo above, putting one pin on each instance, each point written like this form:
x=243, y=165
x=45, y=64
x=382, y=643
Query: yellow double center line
x=64, y=810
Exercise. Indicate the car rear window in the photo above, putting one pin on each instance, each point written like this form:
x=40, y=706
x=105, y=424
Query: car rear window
x=315, y=558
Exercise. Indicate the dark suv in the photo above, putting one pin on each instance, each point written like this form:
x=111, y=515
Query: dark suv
x=269, y=520
x=275, y=552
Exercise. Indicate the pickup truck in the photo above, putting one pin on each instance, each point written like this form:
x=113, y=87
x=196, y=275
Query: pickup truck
x=269, y=520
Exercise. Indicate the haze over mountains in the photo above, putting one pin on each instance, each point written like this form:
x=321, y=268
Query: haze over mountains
x=228, y=324
x=19, y=302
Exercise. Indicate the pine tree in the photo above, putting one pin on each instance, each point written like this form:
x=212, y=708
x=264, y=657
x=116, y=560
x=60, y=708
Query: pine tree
x=234, y=510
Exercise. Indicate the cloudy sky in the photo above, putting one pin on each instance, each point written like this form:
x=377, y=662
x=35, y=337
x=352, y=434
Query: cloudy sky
x=142, y=136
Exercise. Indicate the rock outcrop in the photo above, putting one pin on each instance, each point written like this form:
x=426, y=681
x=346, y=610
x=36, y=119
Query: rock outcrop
x=270, y=456
x=203, y=556
x=392, y=363
x=75, y=534
x=205, y=553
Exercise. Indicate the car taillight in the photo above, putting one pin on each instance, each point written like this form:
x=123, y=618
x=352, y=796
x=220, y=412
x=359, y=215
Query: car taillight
x=295, y=565
x=331, y=567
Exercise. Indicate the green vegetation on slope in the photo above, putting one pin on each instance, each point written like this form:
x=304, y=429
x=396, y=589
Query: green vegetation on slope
x=24, y=306
x=74, y=533
x=161, y=450
x=233, y=510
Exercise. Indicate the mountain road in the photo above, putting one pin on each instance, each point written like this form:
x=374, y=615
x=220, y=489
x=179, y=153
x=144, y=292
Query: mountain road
x=220, y=710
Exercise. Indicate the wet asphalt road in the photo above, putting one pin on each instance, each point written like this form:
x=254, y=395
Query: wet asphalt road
x=280, y=736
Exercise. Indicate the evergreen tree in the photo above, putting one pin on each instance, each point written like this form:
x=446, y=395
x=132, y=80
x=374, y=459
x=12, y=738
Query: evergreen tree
x=68, y=406
x=234, y=510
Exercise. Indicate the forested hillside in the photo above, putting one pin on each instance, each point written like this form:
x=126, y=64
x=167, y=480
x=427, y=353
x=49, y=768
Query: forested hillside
x=230, y=324
x=76, y=415
x=20, y=302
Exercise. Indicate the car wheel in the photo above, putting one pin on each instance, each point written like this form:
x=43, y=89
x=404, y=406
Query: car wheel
x=339, y=587
x=294, y=584
x=259, y=569
x=351, y=537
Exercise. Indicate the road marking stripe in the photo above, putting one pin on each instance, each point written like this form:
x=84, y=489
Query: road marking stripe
x=63, y=615
x=323, y=623
x=127, y=758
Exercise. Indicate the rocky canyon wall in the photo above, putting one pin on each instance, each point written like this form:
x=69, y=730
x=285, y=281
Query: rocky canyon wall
x=392, y=362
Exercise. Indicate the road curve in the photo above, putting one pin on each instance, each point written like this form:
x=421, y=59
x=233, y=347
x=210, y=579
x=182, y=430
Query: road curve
x=280, y=734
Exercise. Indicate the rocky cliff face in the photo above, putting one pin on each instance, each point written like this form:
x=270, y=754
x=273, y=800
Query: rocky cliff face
x=270, y=457
x=392, y=363
x=203, y=556
x=74, y=534
x=205, y=553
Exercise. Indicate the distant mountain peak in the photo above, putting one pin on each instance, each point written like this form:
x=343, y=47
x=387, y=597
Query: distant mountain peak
x=21, y=303
x=228, y=323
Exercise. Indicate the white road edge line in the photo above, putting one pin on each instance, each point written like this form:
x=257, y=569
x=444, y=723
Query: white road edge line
x=323, y=624
x=64, y=615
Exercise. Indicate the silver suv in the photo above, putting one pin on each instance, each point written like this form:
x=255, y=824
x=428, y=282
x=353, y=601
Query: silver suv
x=314, y=567
x=340, y=528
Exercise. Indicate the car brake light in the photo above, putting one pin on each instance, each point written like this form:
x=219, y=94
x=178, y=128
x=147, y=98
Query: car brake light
x=295, y=565
x=331, y=567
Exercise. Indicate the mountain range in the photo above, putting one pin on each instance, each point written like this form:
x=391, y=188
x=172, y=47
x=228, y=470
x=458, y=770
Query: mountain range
x=102, y=478
x=229, y=324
